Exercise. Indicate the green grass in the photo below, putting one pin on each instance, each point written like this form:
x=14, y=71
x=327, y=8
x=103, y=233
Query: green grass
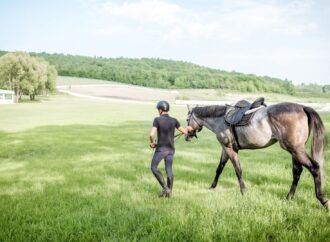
x=78, y=170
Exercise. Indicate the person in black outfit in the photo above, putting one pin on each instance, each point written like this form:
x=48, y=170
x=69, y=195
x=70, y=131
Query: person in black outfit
x=165, y=126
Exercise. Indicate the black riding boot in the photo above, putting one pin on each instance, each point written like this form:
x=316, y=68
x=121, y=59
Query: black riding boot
x=161, y=181
x=170, y=184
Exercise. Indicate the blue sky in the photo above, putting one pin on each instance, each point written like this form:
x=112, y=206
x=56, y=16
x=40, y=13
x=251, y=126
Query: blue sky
x=285, y=39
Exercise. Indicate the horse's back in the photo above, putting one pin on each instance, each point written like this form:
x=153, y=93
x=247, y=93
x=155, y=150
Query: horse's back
x=285, y=108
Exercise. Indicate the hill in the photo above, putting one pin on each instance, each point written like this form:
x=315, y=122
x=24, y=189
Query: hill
x=162, y=73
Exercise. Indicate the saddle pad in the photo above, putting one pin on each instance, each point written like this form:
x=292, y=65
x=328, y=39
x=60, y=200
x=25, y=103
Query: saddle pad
x=230, y=113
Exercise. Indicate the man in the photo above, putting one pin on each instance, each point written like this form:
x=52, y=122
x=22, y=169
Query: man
x=165, y=126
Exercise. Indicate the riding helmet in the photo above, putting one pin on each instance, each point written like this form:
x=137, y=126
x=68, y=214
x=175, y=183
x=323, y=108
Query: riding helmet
x=163, y=105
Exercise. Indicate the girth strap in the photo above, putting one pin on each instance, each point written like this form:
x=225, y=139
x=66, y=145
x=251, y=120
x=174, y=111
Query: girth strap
x=236, y=142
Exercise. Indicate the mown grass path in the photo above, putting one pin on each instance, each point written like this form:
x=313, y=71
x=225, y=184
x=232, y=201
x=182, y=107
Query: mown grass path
x=78, y=170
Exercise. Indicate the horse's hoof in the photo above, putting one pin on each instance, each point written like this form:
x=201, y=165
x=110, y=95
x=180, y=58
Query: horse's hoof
x=243, y=191
x=212, y=186
x=327, y=205
x=289, y=197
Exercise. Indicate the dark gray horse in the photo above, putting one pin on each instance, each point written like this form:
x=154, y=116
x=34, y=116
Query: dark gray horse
x=288, y=123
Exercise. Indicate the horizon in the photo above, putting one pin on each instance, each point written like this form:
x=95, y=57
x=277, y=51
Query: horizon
x=281, y=39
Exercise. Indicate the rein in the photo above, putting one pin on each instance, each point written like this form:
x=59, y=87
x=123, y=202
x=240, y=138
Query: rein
x=177, y=136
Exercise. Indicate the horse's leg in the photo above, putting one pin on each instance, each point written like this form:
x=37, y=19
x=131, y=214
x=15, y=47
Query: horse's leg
x=233, y=156
x=223, y=161
x=296, y=172
x=314, y=169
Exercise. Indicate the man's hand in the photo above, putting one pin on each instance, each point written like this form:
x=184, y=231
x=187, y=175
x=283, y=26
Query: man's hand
x=153, y=131
x=185, y=130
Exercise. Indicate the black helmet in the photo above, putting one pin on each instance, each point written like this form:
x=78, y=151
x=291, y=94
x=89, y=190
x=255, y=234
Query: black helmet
x=163, y=105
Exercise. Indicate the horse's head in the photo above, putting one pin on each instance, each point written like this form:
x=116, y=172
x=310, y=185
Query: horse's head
x=195, y=123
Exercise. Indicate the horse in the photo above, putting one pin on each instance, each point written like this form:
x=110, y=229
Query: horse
x=290, y=124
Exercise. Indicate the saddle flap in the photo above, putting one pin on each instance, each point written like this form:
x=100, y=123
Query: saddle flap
x=235, y=115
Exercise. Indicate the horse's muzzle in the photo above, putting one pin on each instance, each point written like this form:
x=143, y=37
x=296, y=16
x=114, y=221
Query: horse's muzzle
x=188, y=138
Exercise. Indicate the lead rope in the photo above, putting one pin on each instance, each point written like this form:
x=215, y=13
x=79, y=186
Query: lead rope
x=178, y=136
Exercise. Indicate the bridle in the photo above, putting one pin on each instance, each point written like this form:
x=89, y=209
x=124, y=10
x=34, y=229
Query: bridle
x=200, y=126
x=198, y=123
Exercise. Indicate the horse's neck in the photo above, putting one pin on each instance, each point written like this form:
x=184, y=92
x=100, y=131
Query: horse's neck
x=213, y=124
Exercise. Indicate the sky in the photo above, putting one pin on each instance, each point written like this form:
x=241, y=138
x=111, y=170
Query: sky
x=284, y=39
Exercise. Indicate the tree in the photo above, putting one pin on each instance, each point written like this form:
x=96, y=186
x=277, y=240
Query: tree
x=162, y=73
x=26, y=75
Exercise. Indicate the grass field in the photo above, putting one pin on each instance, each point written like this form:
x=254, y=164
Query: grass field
x=214, y=94
x=78, y=170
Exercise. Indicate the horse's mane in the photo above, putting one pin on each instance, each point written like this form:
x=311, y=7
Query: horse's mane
x=210, y=111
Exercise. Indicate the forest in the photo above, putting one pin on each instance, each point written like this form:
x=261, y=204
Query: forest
x=160, y=73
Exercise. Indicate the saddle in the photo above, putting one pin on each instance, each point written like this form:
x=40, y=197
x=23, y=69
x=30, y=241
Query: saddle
x=241, y=113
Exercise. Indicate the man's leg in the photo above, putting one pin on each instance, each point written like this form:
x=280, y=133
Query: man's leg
x=158, y=156
x=168, y=168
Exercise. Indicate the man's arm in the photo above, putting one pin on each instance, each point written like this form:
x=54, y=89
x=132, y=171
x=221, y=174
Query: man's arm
x=185, y=130
x=153, y=131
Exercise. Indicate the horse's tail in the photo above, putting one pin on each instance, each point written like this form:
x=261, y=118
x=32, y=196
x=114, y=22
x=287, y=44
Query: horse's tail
x=319, y=141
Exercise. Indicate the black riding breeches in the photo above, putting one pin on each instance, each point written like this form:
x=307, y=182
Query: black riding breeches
x=157, y=158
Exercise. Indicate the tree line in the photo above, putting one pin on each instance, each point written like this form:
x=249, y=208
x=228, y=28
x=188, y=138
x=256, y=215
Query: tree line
x=160, y=73
x=26, y=75
x=314, y=88
x=152, y=72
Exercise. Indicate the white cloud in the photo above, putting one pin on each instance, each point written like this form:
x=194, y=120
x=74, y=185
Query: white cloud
x=264, y=37
x=231, y=21
x=117, y=30
x=143, y=10
x=263, y=19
